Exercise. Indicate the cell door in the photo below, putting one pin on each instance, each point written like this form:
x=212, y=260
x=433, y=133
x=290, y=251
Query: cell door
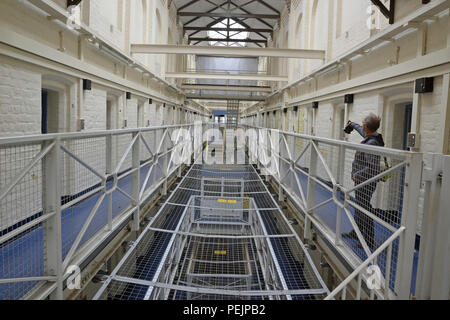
x=407, y=126
x=44, y=111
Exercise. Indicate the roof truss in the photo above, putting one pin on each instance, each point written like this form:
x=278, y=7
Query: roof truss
x=241, y=13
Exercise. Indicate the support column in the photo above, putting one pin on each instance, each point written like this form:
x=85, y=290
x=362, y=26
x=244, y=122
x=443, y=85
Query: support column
x=310, y=197
x=136, y=181
x=415, y=123
x=433, y=280
x=444, y=142
x=409, y=220
x=51, y=203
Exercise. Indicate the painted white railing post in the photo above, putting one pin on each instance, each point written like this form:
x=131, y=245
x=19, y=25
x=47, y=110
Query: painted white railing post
x=340, y=181
x=283, y=153
x=165, y=164
x=433, y=281
x=310, y=197
x=109, y=170
x=136, y=162
x=413, y=179
x=51, y=203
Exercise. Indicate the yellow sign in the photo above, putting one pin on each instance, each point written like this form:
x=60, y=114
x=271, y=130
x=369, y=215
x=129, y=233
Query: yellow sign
x=220, y=252
x=225, y=169
x=226, y=201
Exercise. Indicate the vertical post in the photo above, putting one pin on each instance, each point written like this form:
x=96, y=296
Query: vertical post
x=109, y=168
x=310, y=197
x=444, y=142
x=415, y=121
x=165, y=163
x=51, y=193
x=413, y=179
x=283, y=153
x=434, y=260
x=429, y=221
x=340, y=181
x=136, y=164
x=440, y=284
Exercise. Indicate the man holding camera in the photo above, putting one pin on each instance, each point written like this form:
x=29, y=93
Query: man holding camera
x=364, y=167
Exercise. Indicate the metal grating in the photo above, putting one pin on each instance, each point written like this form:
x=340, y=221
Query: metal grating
x=219, y=236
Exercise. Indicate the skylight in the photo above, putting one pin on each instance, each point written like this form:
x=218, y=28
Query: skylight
x=234, y=35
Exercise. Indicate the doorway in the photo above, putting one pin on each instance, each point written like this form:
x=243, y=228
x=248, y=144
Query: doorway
x=407, y=126
x=49, y=111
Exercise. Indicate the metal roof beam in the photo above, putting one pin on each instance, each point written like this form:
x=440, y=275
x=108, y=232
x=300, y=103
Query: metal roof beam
x=223, y=76
x=226, y=97
x=388, y=13
x=227, y=40
x=218, y=87
x=229, y=15
x=230, y=29
x=228, y=51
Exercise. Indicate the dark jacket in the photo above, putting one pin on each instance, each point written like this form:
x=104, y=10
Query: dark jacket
x=366, y=165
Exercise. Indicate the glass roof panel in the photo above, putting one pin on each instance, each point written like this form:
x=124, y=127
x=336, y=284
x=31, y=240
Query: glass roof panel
x=234, y=35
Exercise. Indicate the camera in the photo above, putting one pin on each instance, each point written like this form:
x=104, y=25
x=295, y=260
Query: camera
x=348, y=128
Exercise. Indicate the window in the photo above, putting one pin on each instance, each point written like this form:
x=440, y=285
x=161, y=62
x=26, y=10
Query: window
x=234, y=35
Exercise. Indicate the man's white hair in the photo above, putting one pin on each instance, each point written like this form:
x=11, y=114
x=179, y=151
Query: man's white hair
x=372, y=121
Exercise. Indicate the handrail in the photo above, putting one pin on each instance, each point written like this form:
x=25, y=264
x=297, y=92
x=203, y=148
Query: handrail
x=87, y=134
x=399, y=194
x=371, y=258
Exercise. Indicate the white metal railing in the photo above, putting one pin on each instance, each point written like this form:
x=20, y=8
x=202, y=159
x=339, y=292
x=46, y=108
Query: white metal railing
x=357, y=218
x=357, y=273
x=62, y=194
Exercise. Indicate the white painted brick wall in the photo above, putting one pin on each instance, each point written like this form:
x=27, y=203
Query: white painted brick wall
x=95, y=109
x=103, y=19
x=20, y=101
x=20, y=114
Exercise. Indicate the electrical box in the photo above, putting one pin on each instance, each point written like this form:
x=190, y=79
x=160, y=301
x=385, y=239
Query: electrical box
x=424, y=85
x=349, y=98
x=87, y=84
x=412, y=139
x=81, y=124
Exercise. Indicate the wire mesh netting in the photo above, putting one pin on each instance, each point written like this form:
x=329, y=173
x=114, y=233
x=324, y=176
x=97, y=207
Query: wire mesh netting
x=355, y=193
x=220, y=235
x=93, y=168
x=22, y=254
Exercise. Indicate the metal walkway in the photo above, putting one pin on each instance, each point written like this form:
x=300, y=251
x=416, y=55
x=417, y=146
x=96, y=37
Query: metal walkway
x=220, y=235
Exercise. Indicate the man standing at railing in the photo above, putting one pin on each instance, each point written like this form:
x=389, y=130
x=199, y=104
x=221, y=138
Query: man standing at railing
x=364, y=167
